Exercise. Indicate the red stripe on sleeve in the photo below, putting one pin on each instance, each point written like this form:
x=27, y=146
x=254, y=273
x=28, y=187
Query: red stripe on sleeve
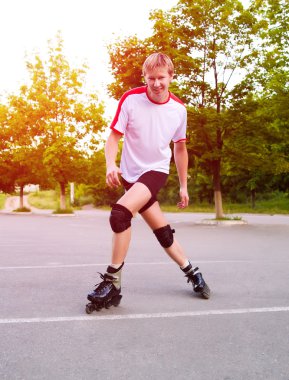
x=137, y=90
x=181, y=140
x=116, y=131
x=175, y=98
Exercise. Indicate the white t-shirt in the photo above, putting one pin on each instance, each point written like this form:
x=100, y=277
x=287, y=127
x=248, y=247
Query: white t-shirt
x=148, y=129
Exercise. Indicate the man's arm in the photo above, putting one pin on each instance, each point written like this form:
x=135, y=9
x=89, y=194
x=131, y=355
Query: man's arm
x=181, y=160
x=111, y=149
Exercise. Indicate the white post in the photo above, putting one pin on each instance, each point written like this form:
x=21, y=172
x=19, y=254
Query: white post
x=71, y=193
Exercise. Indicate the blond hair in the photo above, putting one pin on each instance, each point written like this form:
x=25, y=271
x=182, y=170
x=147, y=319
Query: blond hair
x=157, y=60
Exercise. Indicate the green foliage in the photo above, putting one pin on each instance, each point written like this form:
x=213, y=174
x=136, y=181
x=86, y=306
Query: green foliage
x=131, y=51
x=2, y=200
x=207, y=41
x=50, y=126
x=45, y=199
x=231, y=70
x=63, y=211
x=67, y=122
x=82, y=195
x=98, y=189
x=230, y=218
x=267, y=203
x=20, y=158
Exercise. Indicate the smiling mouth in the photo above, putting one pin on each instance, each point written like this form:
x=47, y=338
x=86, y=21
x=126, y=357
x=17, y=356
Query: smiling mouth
x=157, y=91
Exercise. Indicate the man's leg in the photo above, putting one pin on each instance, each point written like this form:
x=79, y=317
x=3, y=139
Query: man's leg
x=155, y=218
x=133, y=200
x=107, y=292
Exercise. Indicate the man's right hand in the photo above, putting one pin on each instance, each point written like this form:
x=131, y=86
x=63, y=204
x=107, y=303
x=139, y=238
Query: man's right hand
x=112, y=176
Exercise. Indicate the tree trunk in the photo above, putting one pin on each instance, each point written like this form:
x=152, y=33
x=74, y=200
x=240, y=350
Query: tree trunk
x=21, y=203
x=218, y=204
x=217, y=189
x=62, y=196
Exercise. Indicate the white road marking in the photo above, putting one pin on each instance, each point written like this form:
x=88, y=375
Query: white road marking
x=98, y=317
x=58, y=266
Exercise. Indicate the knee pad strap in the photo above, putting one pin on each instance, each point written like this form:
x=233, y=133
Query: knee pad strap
x=165, y=236
x=120, y=218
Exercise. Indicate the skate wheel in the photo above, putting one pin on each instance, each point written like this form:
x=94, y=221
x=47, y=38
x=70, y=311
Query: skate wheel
x=108, y=304
x=206, y=292
x=98, y=307
x=89, y=308
x=116, y=300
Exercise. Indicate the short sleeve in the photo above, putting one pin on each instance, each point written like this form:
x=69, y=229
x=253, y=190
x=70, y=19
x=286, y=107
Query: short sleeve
x=180, y=134
x=120, y=120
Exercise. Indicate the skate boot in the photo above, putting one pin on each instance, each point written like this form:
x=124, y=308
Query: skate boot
x=107, y=292
x=196, y=278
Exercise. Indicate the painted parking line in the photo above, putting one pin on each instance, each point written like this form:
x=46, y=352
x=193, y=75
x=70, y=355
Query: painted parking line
x=59, y=266
x=97, y=317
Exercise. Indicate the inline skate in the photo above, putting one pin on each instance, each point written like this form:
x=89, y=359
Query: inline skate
x=195, y=277
x=107, y=292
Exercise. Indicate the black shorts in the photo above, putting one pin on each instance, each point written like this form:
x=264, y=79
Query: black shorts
x=154, y=181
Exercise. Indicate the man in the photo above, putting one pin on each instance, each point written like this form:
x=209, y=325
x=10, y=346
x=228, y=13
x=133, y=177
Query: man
x=149, y=118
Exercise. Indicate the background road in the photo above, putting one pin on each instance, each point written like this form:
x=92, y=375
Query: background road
x=161, y=330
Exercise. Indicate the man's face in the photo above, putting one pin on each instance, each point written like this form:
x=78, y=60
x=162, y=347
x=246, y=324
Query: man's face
x=158, y=81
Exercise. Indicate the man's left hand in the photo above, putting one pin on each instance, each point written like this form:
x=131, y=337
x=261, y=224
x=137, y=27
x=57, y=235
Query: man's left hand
x=184, y=199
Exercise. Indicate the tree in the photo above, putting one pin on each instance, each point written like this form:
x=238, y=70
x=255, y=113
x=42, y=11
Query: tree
x=102, y=194
x=6, y=180
x=26, y=152
x=67, y=119
x=126, y=59
x=271, y=62
x=254, y=148
x=21, y=155
x=269, y=84
x=209, y=41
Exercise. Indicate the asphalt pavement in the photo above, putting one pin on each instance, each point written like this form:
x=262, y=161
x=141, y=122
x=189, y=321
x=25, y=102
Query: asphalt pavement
x=161, y=329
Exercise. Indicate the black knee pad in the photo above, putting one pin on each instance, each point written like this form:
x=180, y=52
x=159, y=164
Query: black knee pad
x=165, y=236
x=120, y=218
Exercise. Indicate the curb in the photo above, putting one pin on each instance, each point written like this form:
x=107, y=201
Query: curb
x=61, y=215
x=8, y=212
x=223, y=222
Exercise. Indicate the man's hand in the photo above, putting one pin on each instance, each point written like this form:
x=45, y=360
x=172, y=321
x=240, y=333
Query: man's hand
x=112, y=176
x=184, y=199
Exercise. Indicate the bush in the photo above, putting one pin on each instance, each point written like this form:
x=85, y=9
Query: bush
x=46, y=199
x=2, y=200
x=63, y=211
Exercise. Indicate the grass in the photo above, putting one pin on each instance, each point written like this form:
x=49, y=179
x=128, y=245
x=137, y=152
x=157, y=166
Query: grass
x=47, y=199
x=236, y=218
x=22, y=209
x=270, y=207
x=278, y=204
x=275, y=204
x=64, y=211
x=2, y=200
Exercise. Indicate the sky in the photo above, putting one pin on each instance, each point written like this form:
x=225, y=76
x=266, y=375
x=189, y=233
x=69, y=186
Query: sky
x=87, y=26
